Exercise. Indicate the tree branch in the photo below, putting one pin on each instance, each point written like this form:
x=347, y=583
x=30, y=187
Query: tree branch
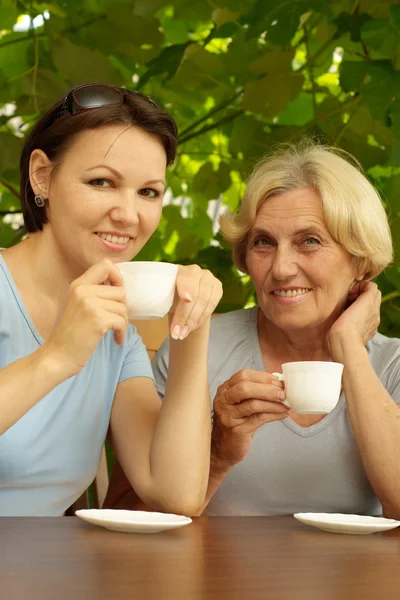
x=215, y=110
x=9, y=186
x=223, y=121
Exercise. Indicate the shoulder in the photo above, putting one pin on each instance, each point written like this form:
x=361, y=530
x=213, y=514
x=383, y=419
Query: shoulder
x=383, y=351
x=232, y=323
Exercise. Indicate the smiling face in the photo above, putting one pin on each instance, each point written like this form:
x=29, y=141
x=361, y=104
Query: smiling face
x=301, y=275
x=105, y=196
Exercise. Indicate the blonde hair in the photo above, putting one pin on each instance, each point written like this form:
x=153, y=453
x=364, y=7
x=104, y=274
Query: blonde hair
x=354, y=214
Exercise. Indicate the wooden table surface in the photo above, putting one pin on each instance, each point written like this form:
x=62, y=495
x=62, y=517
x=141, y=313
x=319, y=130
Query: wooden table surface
x=235, y=558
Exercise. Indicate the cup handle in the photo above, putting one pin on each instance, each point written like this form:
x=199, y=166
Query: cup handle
x=281, y=377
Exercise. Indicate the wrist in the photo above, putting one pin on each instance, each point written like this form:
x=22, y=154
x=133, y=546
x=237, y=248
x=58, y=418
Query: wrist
x=219, y=466
x=347, y=348
x=54, y=365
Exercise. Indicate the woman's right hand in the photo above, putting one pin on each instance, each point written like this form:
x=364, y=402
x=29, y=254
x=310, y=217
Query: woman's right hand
x=248, y=400
x=93, y=308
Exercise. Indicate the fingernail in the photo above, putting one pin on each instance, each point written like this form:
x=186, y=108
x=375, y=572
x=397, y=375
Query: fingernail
x=281, y=395
x=184, y=333
x=188, y=297
x=176, y=332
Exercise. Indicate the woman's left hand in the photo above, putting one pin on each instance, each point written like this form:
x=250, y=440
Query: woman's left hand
x=197, y=293
x=361, y=319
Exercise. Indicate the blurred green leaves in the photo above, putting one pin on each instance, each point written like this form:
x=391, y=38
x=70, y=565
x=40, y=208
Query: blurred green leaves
x=239, y=76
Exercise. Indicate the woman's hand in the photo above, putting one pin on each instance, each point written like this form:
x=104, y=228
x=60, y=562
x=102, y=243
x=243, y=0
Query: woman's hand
x=360, y=321
x=92, y=309
x=197, y=294
x=248, y=400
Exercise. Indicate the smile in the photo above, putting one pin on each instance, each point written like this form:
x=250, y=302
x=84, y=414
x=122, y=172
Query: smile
x=108, y=237
x=291, y=293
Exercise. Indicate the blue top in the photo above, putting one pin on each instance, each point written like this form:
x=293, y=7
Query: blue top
x=51, y=455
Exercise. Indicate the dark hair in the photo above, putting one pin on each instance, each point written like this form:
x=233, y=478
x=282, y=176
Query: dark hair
x=54, y=135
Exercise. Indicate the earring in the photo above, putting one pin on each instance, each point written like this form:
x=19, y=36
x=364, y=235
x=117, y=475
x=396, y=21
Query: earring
x=39, y=200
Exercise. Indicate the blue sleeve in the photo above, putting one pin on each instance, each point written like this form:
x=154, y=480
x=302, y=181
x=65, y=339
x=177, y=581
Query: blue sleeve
x=136, y=362
x=160, y=368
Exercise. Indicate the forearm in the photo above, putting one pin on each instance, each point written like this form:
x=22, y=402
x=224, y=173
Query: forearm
x=24, y=382
x=181, y=446
x=375, y=420
x=218, y=472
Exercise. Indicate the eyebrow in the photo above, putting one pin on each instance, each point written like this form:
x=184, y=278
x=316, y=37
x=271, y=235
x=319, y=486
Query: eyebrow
x=312, y=230
x=119, y=176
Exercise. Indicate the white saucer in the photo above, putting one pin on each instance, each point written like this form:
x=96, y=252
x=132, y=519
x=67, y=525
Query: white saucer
x=341, y=523
x=135, y=521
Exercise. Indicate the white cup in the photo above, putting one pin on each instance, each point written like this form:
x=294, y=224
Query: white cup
x=150, y=288
x=311, y=387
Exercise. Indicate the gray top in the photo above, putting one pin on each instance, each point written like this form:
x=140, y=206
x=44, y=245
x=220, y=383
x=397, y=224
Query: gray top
x=290, y=468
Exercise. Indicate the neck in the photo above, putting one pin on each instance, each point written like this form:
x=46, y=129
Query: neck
x=40, y=261
x=296, y=345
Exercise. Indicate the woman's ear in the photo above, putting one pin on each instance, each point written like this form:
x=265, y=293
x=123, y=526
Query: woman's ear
x=40, y=167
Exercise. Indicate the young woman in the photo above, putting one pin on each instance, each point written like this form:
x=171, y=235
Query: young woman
x=71, y=365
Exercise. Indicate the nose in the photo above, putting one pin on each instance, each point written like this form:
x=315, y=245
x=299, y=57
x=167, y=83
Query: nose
x=284, y=265
x=126, y=211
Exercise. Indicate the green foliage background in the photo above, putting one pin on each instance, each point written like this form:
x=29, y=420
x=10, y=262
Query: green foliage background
x=239, y=76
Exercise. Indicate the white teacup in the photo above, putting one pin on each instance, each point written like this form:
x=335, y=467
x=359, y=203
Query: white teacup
x=312, y=387
x=150, y=288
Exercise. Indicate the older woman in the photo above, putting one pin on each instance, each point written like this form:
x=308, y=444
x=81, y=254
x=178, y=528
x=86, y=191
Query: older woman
x=311, y=232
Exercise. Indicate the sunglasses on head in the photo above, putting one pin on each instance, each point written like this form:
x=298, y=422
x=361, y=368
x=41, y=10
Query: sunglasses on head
x=96, y=95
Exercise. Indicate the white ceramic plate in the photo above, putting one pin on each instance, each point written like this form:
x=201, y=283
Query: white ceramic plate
x=135, y=521
x=341, y=523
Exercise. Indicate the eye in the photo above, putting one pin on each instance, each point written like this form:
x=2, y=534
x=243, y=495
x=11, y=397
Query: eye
x=311, y=241
x=262, y=242
x=150, y=193
x=101, y=183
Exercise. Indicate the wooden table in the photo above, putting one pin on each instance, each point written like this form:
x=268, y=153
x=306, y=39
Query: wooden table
x=235, y=558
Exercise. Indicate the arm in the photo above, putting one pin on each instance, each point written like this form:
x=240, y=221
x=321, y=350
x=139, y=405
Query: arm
x=87, y=317
x=26, y=381
x=375, y=420
x=374, y=416
x=167, y=460
x=247, y=401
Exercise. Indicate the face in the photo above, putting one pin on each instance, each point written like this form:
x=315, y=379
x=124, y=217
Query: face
x=301, y=275
x=104, y=199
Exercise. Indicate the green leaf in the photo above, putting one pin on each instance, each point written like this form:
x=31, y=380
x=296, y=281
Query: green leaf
x=147, y=8
x=259, y=97
x=80, y=64
x=394, y=16
x=10, y=150
x=199, y=70
x=350, y=23
x=14, y=58
x=196, y=10
x=380, y=35
x=9, y=14
x=223, y=15
x=209, y=183
x=132, y=28
x=248, y=137
x=44, y=88
x=280, y=19
x=166, y=63
x=298, y=112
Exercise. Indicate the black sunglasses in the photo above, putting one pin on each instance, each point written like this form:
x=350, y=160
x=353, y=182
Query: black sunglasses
x=95, y=95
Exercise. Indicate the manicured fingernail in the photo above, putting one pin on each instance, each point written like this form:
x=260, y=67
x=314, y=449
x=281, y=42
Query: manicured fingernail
x=184, y=333
x=188, y=297
x=176, y=332
x=281, y=395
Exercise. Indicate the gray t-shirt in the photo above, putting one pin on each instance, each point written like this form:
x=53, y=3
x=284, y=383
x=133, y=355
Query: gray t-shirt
x=290, y=468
